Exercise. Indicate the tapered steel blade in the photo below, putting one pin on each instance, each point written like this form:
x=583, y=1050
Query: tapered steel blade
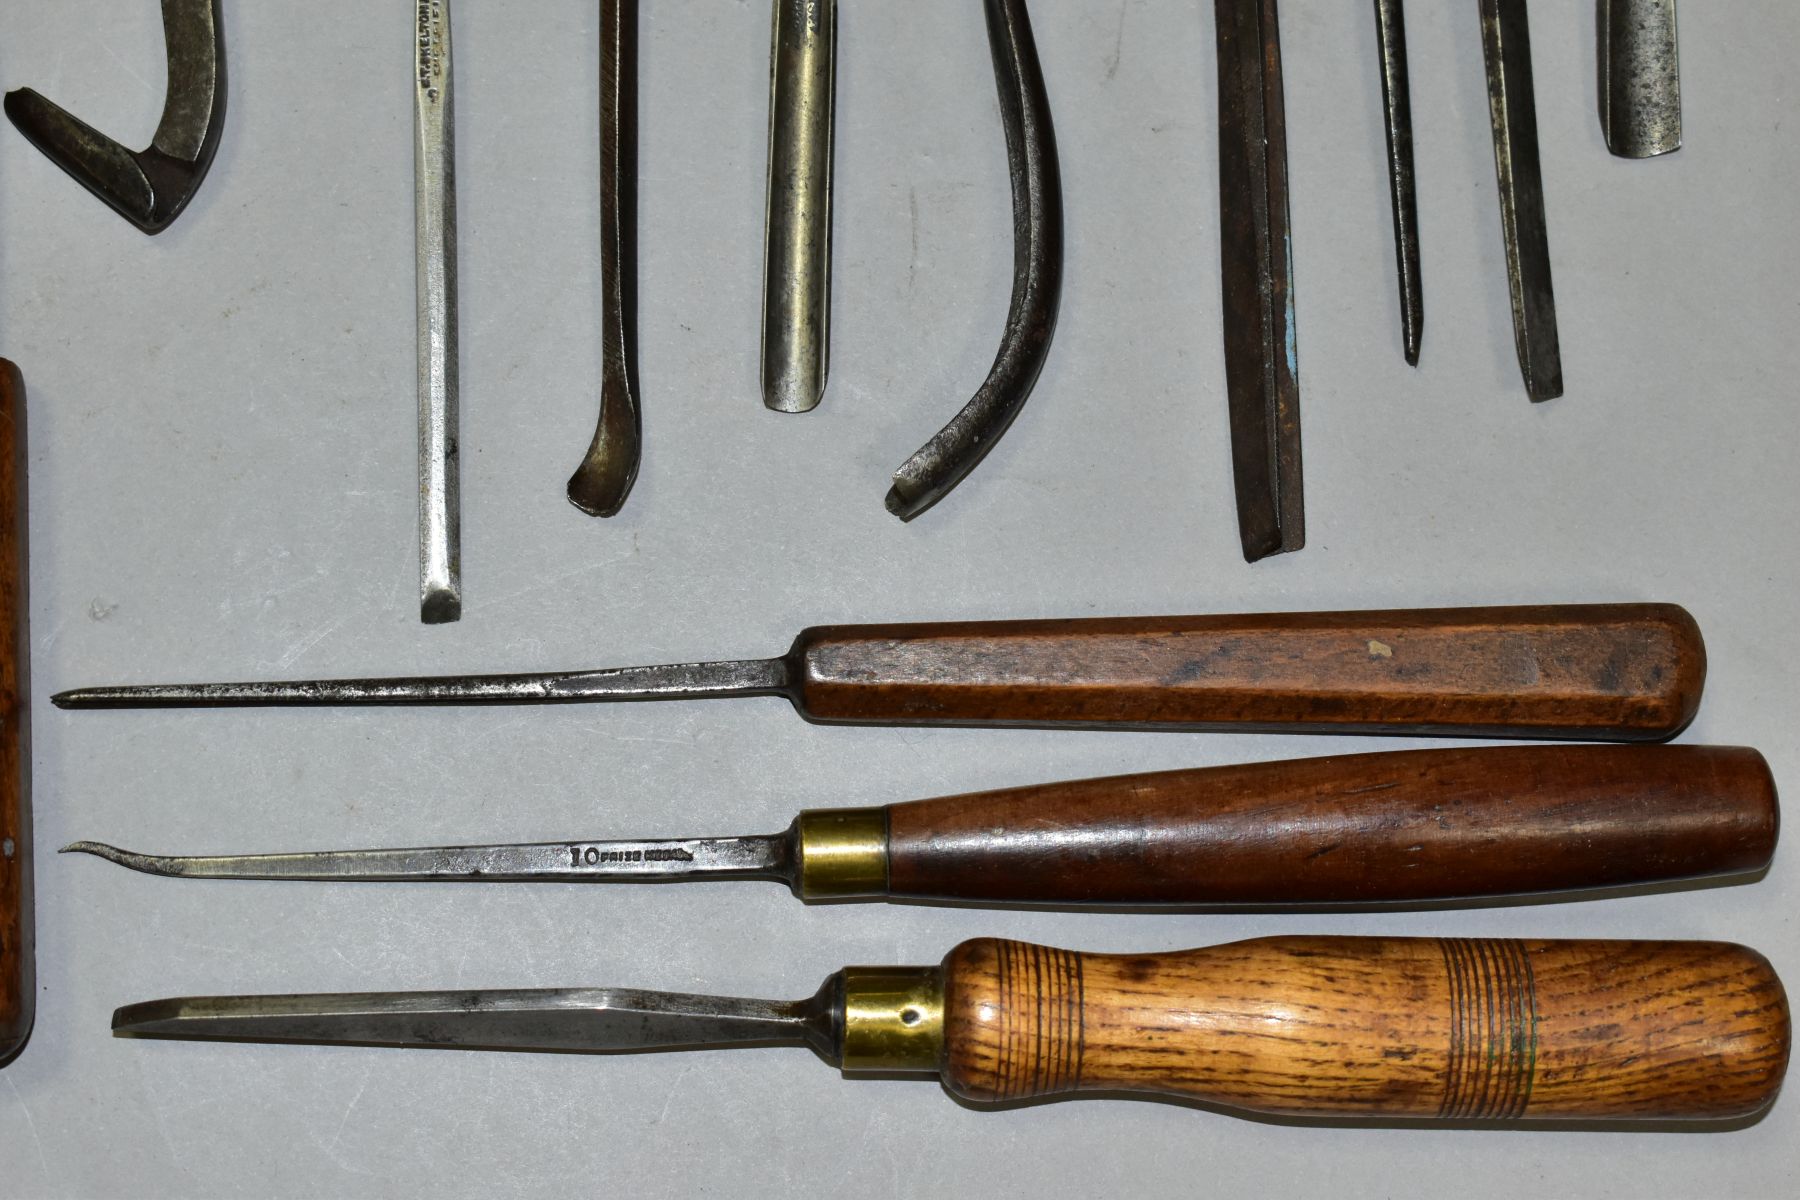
x=434, y=211
x=679, y=681
x=1396, y=96
x=1262, y=369
x=592, y=1020
x=1512, y=107
x=753, y=857
x=1640, y=77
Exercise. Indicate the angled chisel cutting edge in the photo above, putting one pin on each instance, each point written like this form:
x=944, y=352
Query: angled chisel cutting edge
x=1512, y=107
x=1394, y=1028
x=147, y=187
x=1640, y=77
x=1262, y=367
x=796, y=349
x=1607, y=672
x=604, y=479
x=942, y=463
x=1407, y=827
x=1396, y=97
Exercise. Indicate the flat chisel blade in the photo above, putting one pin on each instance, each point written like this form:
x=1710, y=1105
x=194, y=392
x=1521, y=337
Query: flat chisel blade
x=434, y=164
x=1506, y=42
x=1640, y=77
x=1262, y=371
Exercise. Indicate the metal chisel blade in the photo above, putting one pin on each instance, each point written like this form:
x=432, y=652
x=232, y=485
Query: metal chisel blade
x=1506, y=42
x=1396, y=97
x=1640, y=77
x=1256, y=252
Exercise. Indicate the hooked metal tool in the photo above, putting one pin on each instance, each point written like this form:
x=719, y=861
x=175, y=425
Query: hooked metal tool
x=1609, y=672
x=1446, y=1028
x=148, y=187
x=796, y=351
x=943, y=462
x=1396, y=97
x=1640, y=77
x=604, y=479
x=434, y=213
x=1262, y=367
x=1512, y=107
x=1366, y=829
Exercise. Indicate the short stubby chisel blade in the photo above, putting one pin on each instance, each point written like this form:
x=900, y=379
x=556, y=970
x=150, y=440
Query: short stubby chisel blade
x=1512, y=107
x=1640, y=77
x=1396, y=97
x=1262, y=370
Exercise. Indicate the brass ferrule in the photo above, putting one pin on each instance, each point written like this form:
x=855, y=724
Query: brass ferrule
x=841, y=854
x=893, y=1019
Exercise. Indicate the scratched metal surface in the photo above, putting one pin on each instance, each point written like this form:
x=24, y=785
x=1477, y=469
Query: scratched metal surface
x=223, y=486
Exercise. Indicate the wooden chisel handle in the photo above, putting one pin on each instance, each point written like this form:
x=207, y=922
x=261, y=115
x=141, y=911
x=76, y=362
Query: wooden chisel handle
x=1417, y=825
x=17, y=977
x=1615, y=672
x=1449, y=1028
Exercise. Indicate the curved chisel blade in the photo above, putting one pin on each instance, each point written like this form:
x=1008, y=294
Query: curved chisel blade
x=147, y=187
x=665, y=861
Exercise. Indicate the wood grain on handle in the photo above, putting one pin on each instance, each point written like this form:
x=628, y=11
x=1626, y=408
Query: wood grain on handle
x=1406, y=826
x=1616, y=672
x=17, y=977
x=1464, y=1030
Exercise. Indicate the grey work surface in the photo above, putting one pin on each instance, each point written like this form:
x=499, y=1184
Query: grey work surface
x=222, y=487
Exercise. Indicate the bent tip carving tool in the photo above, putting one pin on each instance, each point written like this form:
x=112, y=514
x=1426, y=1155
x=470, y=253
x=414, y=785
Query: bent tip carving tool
x=148, y=187
x=1640, y=77
x=1367, y=829
x=603, y=481
x=943, y=462
x=1457, y=1029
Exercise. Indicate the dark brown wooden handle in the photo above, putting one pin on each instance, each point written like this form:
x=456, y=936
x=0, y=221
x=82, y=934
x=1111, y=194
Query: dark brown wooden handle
x=1464, y=1030
x=1614, y=672
x=17, y=978
x=1413, y=825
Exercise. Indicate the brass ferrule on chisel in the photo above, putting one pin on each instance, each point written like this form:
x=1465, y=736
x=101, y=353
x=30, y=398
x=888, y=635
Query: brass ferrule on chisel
x=840, y=854
x=893, y=1020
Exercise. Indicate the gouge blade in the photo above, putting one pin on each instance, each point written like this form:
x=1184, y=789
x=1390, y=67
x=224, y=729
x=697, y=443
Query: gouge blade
x=1640, y=77
x=607, y=472
x=676, y=681
x=434, y=212
x=1512, y=107
x=1396, y=96
x=1262, y=369
x=663, y=861
x=796, y=350
x=583, y=1020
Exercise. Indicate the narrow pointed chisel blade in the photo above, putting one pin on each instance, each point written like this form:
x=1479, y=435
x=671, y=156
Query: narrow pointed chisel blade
x=1261, y=357
x=1640, y=77
x=590, y=1020
x=1506, y=42
x=1396, y=97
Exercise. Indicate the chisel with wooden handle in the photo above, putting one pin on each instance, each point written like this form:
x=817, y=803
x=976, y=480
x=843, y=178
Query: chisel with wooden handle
x=17, y=975
x=1606, y=672
x=1412, y=826
x=1397, y=1028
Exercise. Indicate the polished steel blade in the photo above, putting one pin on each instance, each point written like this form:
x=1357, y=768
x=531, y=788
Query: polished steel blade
x=592, y=1020
x=753, y=857
x=1396, y=96
x=680, y=681
x=434, y=204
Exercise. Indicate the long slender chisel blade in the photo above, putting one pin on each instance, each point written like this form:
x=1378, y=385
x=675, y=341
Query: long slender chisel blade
x=662, y=861
x=797, y=253
x=1396, y=97
x=1640, y=77
x=434, y=165
x=1262, y=371
x=1512, y=107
